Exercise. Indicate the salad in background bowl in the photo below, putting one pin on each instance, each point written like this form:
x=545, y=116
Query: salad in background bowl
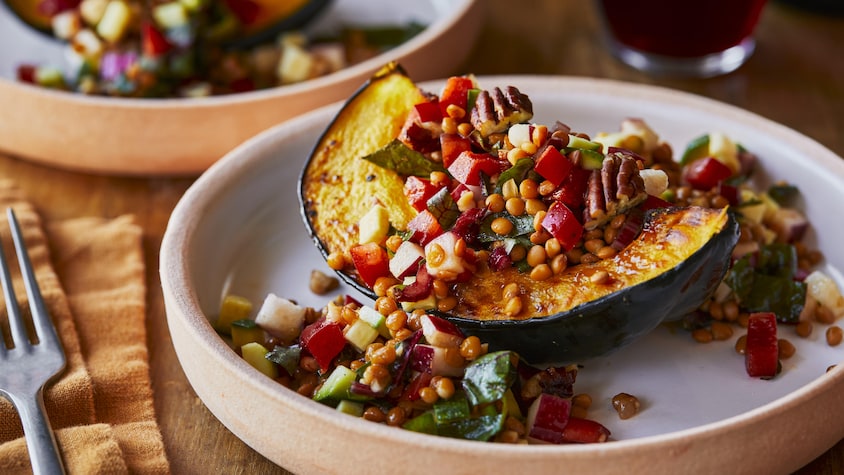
x=181, y=136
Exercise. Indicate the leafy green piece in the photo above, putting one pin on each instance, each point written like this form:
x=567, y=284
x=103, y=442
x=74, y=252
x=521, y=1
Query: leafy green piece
x=246, y=323
x=423, y=423
x=487, y=378
x=696, y=148
x=765, y=282
x=285, y=356
x=480, y=428
x=517, y=172
x=403, y=160
x=783, y=194
x=450, y=410
x=444, y=209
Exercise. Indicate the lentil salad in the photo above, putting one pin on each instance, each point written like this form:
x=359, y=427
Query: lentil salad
x=774, y=257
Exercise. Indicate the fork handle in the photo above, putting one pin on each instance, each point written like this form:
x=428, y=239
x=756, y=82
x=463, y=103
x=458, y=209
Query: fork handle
x=40, y=441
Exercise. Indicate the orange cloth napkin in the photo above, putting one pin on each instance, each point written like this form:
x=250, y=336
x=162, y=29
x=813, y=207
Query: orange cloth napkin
x=91, y=274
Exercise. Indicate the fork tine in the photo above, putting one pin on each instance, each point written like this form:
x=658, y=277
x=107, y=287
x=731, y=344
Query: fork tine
x=16, y=325
x=40, y=317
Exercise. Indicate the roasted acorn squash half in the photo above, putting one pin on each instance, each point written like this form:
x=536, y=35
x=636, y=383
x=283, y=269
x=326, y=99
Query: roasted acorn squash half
x=669, y=270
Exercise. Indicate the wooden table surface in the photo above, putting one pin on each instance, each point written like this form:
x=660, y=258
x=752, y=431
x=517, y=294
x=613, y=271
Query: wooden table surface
x=796, y=77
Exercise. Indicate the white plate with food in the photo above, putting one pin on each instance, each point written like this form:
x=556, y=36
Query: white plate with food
x=238, y=230
x=181, y=136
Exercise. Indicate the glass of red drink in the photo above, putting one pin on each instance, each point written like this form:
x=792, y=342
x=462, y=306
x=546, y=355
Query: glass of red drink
x=701, y=38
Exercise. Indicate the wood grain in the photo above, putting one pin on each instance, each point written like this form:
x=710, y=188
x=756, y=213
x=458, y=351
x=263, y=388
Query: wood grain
x=796, y=77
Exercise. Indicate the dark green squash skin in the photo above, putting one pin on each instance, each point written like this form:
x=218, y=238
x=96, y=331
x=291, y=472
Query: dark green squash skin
x=603, y=325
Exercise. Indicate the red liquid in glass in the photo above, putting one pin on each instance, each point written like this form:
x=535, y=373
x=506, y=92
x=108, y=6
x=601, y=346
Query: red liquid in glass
x=682, y=28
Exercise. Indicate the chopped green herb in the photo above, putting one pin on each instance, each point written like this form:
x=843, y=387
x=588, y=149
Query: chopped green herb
x=403, y=160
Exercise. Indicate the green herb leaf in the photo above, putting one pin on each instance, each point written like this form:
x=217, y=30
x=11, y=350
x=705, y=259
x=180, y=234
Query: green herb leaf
x=784, y=195
x=487, y=378
x=444, y=209
x=403, y=160
x=286, y=356
x=769, y=285
x=522, y=226
x=517, y=172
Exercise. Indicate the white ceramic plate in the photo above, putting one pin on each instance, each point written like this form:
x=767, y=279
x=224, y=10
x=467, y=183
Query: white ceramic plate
x=182, y=137
x=238, y=230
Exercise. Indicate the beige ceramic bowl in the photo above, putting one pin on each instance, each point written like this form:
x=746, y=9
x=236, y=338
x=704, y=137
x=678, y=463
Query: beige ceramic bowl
x=238, y=230
x=183, y=137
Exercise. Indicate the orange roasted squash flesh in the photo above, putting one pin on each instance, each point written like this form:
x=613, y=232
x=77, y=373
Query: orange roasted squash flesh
x=338, y=186
x=669, y=239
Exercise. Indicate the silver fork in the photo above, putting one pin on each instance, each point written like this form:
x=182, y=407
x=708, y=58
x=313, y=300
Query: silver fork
x=26, y=367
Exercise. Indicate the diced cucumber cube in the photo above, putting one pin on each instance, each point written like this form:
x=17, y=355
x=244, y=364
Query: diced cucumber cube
x=583, y=144
x=336, y=387
x=360, y=334
x=375, y=320
x=255, y=354
x=352, y=408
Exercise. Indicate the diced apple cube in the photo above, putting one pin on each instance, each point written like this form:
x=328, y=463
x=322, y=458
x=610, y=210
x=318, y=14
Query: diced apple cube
x=450, y=265
x=374, y=225
x=281, y=317
x=789, y=224
x=519, y=134
x=434, y=360
x=639, y=128
x=725, y=150
x=66, y=24
x=92, y=11
x=295, y=64
x=825, y=291
x=406, y=260
x=440, y=332
x=87, y=45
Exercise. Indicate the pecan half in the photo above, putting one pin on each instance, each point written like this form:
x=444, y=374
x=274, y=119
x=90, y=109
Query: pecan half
x=495, y=111
x=614, y=189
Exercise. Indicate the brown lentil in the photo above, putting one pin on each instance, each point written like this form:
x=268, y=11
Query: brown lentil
x=495, y=203
x=382, y=284
x=449, y=125
x=702, y=335
x=559, y=263
x=514, y=424
x=402, y=334
x=515, y=206
x=459, y=247
x=510, y=290
x=396, y=320
x=518, y=253
x=582, y=400
x=393, y=242
x=396, y=416
x=501, y=226
x=716, y=310
x=528, y=189
x=552, y=248
x=539, y=237
x=536, y=255
x=516, y=154
x=541, y=272
x=785, y=349
x=307, y=389
x=606, y=252
x=824, y=315
x=721, y=331
x=336, y=260
x=507, y=436
x=428, y=394
x=579, y=412
x=447, y=304
x=589, y=259
x=534, y=206
x=309, y=364
x=741, y=344
x=594, y=245
x=440, y=179
x=513, y=306
x=731, y=310
x=465, y=128
x=546, y=188
x=374, y=414
x=385, y=355
x=444, y=386
x=385, y=305
x=470, y=348
x=834, y=335
x=803, y=329
x=626, y=405
x=413, y=320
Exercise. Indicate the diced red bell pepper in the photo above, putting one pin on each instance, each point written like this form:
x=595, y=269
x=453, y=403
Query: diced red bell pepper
x=244, y=84
x=706, y=173
x=552, y=165
x=418, y=191
x=468, y=166
x=371, y=262
x=761, y=354
x=428, y=111
x=573, y=189
x=456, y=91
x=324, y=340
x=584, y=431
x=246, y=11
x=563, y=224
x=26, y=73
x=424, y=227
x=153, y=41
x=411, y=391
x=729, y=192
x=452, y=145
